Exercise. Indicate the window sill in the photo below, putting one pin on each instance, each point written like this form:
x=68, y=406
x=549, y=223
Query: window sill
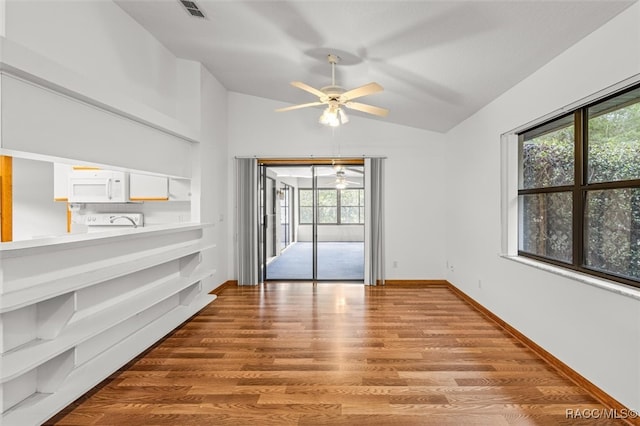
x=612, y=286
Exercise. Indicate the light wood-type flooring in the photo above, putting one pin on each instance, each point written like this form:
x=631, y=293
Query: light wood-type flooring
x=335, y=354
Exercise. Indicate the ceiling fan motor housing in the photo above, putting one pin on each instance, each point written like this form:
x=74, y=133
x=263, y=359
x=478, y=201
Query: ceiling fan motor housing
x=332, y=95
x=333, y=59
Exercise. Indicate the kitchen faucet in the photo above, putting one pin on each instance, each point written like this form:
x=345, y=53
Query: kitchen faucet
x=133, y=222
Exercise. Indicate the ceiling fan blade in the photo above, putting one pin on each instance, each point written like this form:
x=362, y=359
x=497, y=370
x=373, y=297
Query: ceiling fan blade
x=352, y=169
x=306, y=87
x=347, y=182
x=370, y=109
x=289, y=108
x=358, y=92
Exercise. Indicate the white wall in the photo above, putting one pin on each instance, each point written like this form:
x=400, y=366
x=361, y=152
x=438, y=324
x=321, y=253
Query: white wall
x=211, y=177
x=99, y=41
x=414, y=168
x=594, y=331
x=348, y=233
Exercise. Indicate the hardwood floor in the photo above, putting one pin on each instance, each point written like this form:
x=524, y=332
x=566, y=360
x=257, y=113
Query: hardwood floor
x=298, y=353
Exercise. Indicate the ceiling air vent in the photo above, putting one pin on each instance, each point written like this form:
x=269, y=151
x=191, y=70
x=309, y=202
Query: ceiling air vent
x=192, y=8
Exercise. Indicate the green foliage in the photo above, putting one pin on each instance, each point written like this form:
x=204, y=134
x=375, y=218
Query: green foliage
x=327, y=197
x=306, y=197
x=612, y=231
x=548, y=159
x=614, y=145
x=547, y=221
x=350, y=197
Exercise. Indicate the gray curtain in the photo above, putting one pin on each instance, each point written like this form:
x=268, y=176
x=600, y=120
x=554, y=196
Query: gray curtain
x=376, y=209
x=247, y=220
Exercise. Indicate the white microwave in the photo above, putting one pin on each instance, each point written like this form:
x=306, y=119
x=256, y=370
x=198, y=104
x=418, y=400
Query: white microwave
x=98, y=186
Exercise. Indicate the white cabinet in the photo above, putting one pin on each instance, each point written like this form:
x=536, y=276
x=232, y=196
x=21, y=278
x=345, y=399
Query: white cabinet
x=61, y=174
x=158, y=188
x=148, y=188
x=179, y=189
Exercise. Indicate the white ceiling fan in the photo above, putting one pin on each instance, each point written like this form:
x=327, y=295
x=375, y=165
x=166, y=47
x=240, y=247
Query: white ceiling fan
x=335, y=97
x=341, y=180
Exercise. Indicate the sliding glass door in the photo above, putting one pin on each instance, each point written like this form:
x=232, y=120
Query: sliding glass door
x=340, y=223
x=319, y=210
x=294, y=257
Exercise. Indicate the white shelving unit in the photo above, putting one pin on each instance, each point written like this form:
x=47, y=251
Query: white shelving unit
x=67, y=326
x=75, y=308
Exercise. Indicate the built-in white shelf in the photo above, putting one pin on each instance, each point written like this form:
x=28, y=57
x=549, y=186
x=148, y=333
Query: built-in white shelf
x=39, y=407
x=73, y=310
x=42, y=285
x=27, y=357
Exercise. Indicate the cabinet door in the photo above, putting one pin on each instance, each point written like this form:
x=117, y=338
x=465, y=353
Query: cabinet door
x=179, y=189
x=61, y=173
x=148, y=188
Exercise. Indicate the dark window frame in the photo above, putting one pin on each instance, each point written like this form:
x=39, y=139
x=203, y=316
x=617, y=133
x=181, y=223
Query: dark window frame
x=338, y=207
x=579, y=189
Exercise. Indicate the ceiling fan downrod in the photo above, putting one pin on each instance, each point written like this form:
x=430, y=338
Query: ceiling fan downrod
x=333, y=60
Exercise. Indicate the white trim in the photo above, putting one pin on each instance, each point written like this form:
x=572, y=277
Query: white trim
x=612, y=286
x=509, y=194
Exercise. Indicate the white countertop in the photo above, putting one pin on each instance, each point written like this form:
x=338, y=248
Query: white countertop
x=16, y=248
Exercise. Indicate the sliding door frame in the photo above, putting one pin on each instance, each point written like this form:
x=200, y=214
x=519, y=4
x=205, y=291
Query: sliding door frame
x=264, y=164
x=314, y=224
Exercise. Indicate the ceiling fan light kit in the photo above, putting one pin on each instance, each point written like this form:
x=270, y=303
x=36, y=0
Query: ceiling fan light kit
x=336, y=99
x=333, y=117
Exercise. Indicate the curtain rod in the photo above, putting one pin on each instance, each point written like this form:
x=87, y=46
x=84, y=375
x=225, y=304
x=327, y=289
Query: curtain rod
x=310, y=157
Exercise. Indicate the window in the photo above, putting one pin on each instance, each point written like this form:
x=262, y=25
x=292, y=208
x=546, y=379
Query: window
x=579, y=189
x=335, y=206
x=306, y=205
x=351, y=206
x=327, y=206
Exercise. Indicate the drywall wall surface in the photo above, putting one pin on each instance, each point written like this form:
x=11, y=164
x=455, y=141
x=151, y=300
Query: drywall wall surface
x=345, y=233
x=595, y=331
x=101, y=42
x=210, y=183
x=95, y=51
x=414, y=170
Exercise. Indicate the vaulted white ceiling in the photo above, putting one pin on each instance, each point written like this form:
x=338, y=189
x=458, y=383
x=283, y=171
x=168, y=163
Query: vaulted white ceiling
x=438, y=61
